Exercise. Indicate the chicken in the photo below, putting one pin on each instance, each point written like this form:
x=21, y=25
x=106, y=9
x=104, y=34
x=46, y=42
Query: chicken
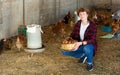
x=57, y=28
x=19, y=44
x=1, y=44
x=116, y=15
x=67, y=18
x=7, y=44
x=77, y=18
x=63, y=28
x=94, y=16
x=115, y=25
x=71, y=23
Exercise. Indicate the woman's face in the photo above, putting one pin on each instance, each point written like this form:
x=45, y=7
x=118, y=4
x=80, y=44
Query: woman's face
x=83, y=16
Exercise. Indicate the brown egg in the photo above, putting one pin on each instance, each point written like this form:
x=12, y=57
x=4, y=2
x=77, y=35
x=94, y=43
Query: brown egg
x=72, y=42
x=65, y=42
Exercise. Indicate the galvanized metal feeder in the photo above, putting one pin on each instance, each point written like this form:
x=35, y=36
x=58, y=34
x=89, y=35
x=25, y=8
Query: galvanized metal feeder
x=34, y=41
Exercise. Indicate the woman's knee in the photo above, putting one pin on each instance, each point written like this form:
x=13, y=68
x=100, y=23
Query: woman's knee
x=88, y=48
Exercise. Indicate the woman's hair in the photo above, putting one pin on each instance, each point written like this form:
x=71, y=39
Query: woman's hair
x=83, y=10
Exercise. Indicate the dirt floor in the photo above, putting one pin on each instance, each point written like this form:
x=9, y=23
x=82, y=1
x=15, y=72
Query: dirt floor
x=52, y=62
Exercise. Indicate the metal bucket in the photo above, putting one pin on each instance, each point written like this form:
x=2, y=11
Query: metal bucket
x=34, y=36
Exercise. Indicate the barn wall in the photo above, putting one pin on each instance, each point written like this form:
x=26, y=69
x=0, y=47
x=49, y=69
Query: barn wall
x=43, y=12
x=65, y=6
x=10, y=17
x=31, y=11
x=115, y=5
x=112, y=4
x=19, y=12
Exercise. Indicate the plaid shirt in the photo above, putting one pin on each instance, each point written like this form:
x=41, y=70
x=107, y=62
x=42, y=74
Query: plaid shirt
x=89, y=36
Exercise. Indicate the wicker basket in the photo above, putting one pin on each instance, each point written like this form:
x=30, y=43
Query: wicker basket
x=68, y=44
x=67, y=47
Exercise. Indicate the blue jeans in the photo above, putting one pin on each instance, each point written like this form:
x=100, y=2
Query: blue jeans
x=84, y=50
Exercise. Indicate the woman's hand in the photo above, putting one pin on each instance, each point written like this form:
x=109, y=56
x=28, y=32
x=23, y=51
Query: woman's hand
x=77, y=44
x=84, y=42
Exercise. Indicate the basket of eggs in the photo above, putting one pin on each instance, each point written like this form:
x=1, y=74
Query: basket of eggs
x=68, y=44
